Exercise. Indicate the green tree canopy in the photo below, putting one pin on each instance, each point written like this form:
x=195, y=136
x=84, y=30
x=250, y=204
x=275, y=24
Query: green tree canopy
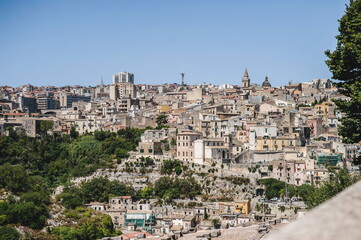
x=314, y=196
x=171, y=166
x=97, y=189
x=13, y=178
x=9, y=233
x=169, y=188
x=273, y=187
x=345, y=65
x=88, y=228
x=161, y=120
x=45, y=126
x=28, y=214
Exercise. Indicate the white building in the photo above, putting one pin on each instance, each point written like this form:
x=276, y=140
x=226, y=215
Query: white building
x=123, y=77
x=211, y=150
x=261, y=131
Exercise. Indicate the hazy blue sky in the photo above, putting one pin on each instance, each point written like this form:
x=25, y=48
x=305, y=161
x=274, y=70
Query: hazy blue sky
x=76, y=42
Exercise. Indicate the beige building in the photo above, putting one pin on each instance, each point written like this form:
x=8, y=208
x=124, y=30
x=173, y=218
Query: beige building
x=126, y=90
x=150, y=148
x=324, y=108
x=195, y=95
x=122, y=90
x=275, y=143
x=248, y=111
x=296, y=172
x=31, y=127
x=185, y=145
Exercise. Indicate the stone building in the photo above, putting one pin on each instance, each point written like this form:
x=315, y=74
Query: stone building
x=185, y=145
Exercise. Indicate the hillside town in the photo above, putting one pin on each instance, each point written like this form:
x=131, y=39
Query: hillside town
x=229, y=137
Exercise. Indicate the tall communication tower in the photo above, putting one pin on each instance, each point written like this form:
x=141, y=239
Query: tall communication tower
x=182, y=74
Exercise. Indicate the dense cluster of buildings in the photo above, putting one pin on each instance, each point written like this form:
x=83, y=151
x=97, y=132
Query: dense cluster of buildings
x=289, y=133
x=145, y=215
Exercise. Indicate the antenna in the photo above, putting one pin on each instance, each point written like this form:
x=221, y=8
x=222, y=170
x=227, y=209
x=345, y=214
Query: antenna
x=182, y=74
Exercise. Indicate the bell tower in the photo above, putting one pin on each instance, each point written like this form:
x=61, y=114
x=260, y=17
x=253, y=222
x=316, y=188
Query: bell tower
x=245, y=80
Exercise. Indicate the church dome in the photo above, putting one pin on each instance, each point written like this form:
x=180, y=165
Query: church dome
x=266, y=83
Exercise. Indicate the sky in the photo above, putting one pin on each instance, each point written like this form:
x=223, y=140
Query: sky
x=69, y=42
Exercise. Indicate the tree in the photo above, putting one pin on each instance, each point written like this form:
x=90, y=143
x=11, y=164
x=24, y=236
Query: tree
x=71, y=197
x=39, y=198
x=273, y=187
x=171, y=166
x=146, y=192
x=172, y=188
x=29, y=214
x=345, y=65
x=173, y=142
x=45, y=126
x=73, y=132
x=178, y=170
x=88, y=228
x=9, y=233
x=97, y=189
x=341, y=180
x=13, y=178
x=166, y=147
x=216, y=223
x=121, y=153
x=161, y=120
x=305, y=191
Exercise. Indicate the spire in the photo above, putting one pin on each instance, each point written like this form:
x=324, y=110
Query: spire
x=245, y=73
x=101, y=81
x=245, y=80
